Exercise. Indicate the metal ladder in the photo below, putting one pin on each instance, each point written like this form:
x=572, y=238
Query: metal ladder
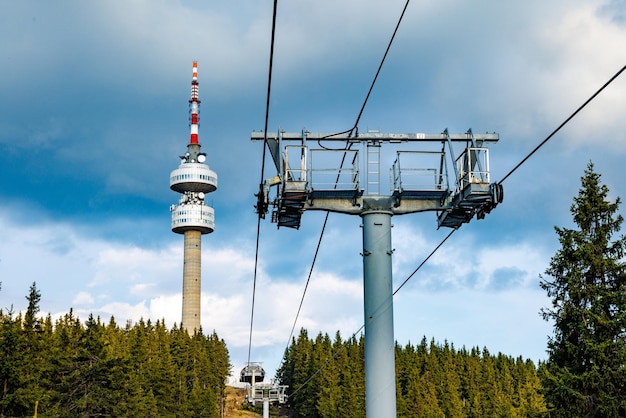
x=373, y=168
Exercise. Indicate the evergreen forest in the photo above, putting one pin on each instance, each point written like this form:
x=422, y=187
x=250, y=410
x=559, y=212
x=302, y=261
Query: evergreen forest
x=67, y=368
x=326, y=378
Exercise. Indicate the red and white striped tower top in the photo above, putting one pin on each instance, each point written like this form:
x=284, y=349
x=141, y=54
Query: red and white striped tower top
x=194, y=103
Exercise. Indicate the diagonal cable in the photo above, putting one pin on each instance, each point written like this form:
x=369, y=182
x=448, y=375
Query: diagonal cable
x=350, y=133
x=258, y=226
x=565, y=122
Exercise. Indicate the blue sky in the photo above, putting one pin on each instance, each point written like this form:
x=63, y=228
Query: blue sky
x=94, y=114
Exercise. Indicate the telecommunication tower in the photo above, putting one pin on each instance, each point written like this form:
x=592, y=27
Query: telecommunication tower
x=333, y=179
x=192, y=217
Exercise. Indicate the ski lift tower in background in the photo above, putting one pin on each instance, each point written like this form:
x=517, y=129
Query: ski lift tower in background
x=333, y=179
x=266, y=393
x=257, y=391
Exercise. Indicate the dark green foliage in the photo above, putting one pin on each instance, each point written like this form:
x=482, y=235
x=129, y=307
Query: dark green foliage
x=71, y=369
x=328, y=380
x=585, y=374
x=30, y=318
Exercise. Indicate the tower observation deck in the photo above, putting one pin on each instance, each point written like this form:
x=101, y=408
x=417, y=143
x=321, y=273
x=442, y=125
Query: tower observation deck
x=192, y=216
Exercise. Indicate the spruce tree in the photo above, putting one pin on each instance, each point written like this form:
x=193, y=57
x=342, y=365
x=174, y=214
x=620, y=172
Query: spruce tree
x=585, y=374
x=30, y=317
x=353, y=390
x=450, y=390
x=329, y=401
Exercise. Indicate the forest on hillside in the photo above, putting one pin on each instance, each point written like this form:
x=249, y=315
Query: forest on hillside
x=70, y=368
x=67, y=368
x=326, y=378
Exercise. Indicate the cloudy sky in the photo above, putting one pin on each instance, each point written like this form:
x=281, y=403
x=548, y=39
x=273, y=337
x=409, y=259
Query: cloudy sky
x=94, y=114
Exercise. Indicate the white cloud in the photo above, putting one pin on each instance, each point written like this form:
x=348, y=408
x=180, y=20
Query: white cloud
x=83, y=298
x=469, y=259
x=124, y=265
x=142, y=289
x=121, y=311
x=587, y=50
x=330, y=304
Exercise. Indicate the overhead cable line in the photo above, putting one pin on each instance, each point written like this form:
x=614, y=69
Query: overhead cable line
x=380, y=66
x=382, y=61
x=350, y=132
x=565, y=122
x=317, y=249
x=424, y=261
x=258, y=226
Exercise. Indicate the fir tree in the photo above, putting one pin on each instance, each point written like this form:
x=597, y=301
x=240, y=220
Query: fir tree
x=585, y=374
x=450, y=390
x=328, y=403
x=30, y=317
x=353, y=390
x=70, y=369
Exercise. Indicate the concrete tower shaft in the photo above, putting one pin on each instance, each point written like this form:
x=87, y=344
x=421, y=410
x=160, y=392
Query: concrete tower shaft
x=191, y=280
x=192, y=217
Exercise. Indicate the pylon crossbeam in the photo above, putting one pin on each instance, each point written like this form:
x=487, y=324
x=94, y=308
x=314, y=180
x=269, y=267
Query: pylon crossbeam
x=376, y=136
x=330, y=179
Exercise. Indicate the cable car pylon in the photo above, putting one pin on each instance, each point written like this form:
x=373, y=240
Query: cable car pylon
x=257, y=391
x=316, y=179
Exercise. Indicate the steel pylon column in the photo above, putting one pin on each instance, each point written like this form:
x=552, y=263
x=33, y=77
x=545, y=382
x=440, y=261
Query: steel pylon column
x=380, y=370
x=266, y=407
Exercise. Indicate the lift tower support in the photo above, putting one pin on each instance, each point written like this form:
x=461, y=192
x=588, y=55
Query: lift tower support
x=312, y=183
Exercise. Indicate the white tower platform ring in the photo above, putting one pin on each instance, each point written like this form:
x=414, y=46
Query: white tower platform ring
x=191, y=217
x=193, y=177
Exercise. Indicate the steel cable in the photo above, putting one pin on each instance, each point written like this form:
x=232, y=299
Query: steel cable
x=258, y=227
